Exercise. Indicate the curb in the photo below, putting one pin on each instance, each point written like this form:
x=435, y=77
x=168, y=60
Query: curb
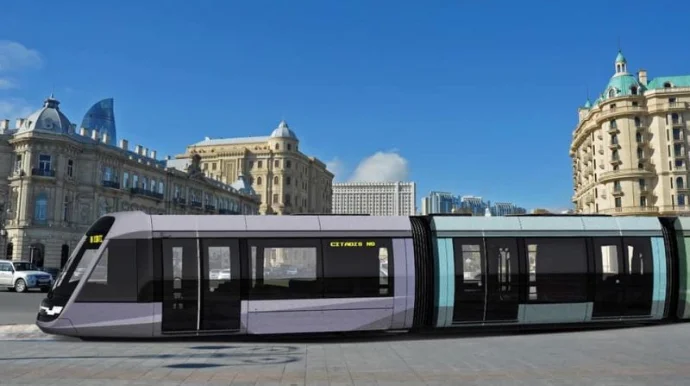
x=22, y=332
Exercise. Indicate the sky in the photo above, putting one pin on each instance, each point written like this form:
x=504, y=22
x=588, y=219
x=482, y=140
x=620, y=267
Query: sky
x=470, y=97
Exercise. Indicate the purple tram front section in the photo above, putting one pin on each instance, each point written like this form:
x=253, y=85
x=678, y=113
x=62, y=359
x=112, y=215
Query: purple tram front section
x=97, y=296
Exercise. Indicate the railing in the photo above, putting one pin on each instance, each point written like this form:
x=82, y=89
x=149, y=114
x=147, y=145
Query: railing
x=111, y=184
x=43, y=172
x=179, y=201
x=195, y=204
x=677, y=209
x=611, y=112
x=146, y=193
x=210, y=208
x=630, y=210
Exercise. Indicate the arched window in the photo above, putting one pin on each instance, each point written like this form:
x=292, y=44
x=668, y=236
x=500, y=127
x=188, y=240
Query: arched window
x=612, y=93
x=638, y=137
x=277, y=146
x=276, y=180
x=681, y=199
x=258, y=180
x=674, y=118
x=679, y=183
x=633, y=90
x=613, y=124
x=668, y=85
x=41, y=207
x=640, y=153
x=637, y=122
x=289, y=146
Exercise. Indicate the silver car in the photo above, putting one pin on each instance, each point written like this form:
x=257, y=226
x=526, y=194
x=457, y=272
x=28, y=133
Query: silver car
x=22, y=275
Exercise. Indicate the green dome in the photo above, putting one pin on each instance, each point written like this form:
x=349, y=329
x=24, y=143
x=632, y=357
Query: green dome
x=623, y=85
x=620, y=58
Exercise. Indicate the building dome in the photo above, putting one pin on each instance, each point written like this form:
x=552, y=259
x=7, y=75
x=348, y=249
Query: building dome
x=283, y=131
x=622, y=85
x=48, y=119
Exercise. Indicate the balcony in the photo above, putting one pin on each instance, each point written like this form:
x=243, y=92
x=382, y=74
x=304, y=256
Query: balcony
x=667, y=106
x=146, y=193
x=110, y=184
x=179, y=201
x=195, y=204
x=631, y=211
x=617, y=191
x=678, y=210
x=612, y=130
x=676, y=106
x=614, y=145
x=680, y=138
x=43, y=172
x=615, y=161
x=624, y=173
x=619, y=111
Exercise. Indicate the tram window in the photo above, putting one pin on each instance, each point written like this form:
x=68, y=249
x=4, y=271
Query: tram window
x=114, y=278
x=357, y=267
x=218, y=266
x=285, y=269
x=557, y=270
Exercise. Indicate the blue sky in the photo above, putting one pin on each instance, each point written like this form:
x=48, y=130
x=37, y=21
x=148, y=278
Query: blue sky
x=472, y=97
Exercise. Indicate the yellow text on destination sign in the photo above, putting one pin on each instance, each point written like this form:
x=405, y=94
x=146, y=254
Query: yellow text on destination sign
x=353, y=244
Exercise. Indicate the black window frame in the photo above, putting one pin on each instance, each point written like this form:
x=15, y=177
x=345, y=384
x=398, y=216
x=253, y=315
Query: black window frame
x=386, y=242
x=254, y=292
x=584, y=285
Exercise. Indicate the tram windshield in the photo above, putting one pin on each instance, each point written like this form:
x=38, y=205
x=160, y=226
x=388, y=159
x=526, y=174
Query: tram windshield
x=76, y=266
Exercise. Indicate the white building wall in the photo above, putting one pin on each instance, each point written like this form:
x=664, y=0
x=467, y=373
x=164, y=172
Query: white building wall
x=375, y=198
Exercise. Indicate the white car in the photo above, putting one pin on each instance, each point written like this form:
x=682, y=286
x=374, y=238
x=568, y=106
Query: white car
x=22, y=275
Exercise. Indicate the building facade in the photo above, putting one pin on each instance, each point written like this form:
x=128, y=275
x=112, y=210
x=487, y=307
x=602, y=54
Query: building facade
x=630, y=148
x=375, y=198
x=286, y=180
x=56, y=181
x=439, y=202
x=444, y=202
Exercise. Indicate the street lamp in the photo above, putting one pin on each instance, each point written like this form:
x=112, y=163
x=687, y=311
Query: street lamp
x=3, y=231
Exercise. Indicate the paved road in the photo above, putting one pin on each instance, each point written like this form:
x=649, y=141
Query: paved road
x=637, y=356
x=19, y=308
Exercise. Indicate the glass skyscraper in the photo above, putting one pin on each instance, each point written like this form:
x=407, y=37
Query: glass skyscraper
x=101, y=117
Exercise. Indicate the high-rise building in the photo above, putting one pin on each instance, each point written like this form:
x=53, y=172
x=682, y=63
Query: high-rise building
x=375, y=198
x=444, y=202
x=287, y=180
x=55, y=181
x=439, y=202
x=630, y=147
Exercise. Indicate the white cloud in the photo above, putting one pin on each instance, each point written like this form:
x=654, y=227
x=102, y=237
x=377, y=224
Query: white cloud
x=382, y=167
x=13, y=108
x=15, y=56
x=337, y=167
x=6, y=84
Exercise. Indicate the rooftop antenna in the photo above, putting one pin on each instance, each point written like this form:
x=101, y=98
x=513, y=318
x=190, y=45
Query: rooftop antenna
x=619, y=44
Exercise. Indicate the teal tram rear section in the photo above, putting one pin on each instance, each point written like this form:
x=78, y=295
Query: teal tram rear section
x=528, y=271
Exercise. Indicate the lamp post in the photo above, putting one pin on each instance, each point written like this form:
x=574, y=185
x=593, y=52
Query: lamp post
x=3, y=231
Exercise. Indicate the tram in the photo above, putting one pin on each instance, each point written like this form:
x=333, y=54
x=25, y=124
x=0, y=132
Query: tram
x=135, y=275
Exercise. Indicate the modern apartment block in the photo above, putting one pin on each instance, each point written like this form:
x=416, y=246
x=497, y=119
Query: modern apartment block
x=444, y=202
x=375, y=198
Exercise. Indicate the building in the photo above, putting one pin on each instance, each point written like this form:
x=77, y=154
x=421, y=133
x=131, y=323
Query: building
x=375, y=198
x=630, y=148
x=444, y=202
x=439, y=202
x=56, y=181
x=286, y=180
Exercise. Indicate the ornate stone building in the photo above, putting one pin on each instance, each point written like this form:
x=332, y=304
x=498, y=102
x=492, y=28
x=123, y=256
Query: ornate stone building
x=286, y=180
x=56, y=181
x=630, y=147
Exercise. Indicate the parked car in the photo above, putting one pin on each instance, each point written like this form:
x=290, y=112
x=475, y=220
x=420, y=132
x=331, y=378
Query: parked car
x=22, y=276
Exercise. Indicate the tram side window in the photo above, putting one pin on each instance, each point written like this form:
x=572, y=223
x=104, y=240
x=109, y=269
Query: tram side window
x=114, y=278
x=557, y=270
x=285, y=269
x=357, y=268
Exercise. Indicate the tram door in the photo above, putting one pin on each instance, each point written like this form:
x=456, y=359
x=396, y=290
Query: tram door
x=624, y=281
x=487, y=287
x=201, y=290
